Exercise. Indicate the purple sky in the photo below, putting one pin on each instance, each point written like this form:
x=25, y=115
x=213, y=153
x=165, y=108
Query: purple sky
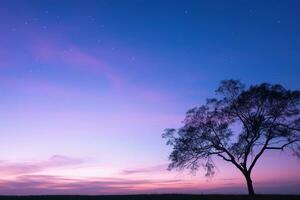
x=88, y=87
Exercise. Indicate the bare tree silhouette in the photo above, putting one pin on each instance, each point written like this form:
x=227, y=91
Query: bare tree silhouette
x=238, y=126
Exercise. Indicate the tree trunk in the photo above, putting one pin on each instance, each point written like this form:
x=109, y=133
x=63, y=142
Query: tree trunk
x=249, y=184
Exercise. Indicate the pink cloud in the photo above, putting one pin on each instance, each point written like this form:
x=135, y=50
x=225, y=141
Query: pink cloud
x=36, y=184
x=77, y=59
x=15, y=169
x=63, y=54
x=146, y=170
x=60, y=160
x=42, y=185
x=74, y=57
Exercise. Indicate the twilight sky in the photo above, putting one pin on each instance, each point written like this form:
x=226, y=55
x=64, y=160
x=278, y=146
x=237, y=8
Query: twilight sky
x=87, y=88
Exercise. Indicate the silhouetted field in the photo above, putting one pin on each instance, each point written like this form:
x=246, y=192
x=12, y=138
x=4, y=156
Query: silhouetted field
x=154, y=197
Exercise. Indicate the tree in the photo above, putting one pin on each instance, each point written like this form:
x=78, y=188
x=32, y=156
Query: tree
x=238, y=126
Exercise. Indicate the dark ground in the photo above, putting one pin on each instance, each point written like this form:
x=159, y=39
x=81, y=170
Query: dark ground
x=156, y=197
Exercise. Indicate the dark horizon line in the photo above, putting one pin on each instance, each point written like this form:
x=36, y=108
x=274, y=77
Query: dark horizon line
x=148, y=194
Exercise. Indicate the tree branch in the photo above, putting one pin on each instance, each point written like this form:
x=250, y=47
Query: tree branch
x=282, y=147
x=227, y=159
x=288, y=127
x=260, y=153
x=232, y=160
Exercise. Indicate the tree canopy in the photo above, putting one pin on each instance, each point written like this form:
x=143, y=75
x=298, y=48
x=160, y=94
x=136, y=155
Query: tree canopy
x=238, y=126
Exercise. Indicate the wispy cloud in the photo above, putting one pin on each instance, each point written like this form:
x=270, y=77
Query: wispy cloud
x=72, y=56
x=15, y=169
x=41, y=185
x=75, y=58
x=152, y=169
x=33, y=184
